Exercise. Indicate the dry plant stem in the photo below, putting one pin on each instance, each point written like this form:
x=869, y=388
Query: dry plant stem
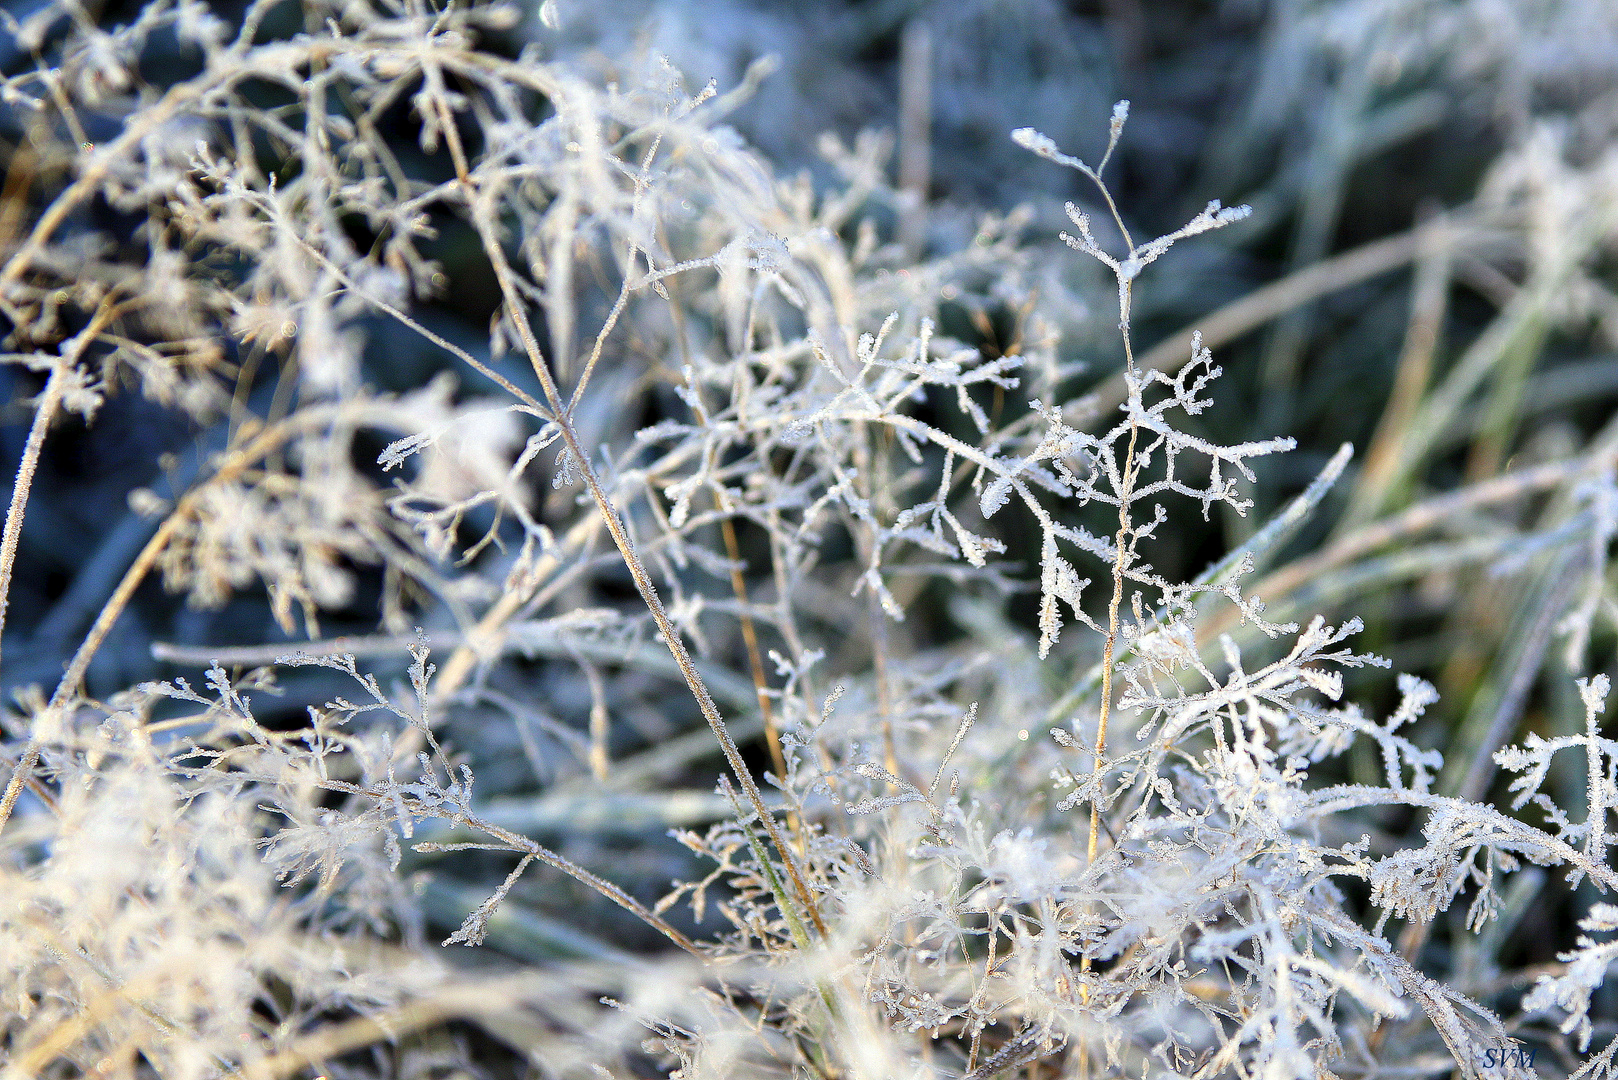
x=738, y=584
x=19, y=178
x=643, y=583
x=1498, y=354
x=143, y=124
x=262, y=444
x=877, y=618
x=465, y=657
x=470, y=999
x=43, y=415
x=28, y=1065
x=45, y=411
x=74, y=678
x=1120, y=553
x=1427, y=306
x=450, y=347
x=518, y=842
x=1106, y=677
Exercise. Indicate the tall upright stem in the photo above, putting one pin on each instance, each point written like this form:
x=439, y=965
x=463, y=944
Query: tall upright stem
x=1119, y=562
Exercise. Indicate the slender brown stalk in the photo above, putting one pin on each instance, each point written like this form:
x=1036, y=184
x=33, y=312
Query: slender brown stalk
x=755, y=659
x=626, y=547
x=518, y=842
x=1120, y=555
x=44, y=412
x=1428, y=302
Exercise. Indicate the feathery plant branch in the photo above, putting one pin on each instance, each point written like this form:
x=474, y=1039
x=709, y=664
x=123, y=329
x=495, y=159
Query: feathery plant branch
x=1124, y=270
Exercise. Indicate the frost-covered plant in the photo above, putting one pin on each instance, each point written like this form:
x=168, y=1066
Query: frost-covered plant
x=722, y=433
x=1212, y=931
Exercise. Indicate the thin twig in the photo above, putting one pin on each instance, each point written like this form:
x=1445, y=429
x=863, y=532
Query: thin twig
x=738, y=584
x=44, y=413
x=50, y=401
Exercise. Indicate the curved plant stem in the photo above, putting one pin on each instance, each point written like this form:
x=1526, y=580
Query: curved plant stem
x=44, y=412
x=50, y=403
x=101, y=161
